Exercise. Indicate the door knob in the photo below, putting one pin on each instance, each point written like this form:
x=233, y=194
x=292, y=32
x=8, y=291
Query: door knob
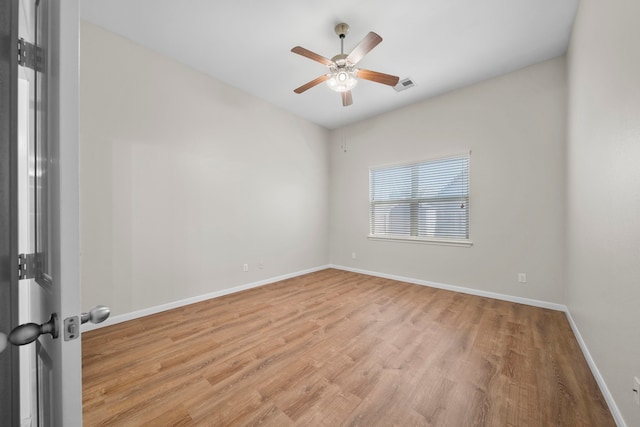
x=97, y=314
x=29, y=332
x=3, y=342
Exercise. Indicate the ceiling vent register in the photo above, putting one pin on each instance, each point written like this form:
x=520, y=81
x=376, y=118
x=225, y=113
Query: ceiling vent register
x=404, y=84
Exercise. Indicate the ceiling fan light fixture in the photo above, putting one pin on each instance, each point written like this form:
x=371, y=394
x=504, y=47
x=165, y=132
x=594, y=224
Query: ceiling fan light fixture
x=342, y=81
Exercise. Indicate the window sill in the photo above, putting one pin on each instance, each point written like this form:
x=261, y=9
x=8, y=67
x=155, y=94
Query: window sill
x=423, y=240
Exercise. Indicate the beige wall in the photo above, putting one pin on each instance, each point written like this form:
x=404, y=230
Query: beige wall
x=603, y=212
x=515, y=127
x=184, y=179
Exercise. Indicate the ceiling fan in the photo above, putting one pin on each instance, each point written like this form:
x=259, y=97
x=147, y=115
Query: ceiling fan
x=342, y=68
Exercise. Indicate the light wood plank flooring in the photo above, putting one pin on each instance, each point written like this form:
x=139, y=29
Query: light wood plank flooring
x=336, y=348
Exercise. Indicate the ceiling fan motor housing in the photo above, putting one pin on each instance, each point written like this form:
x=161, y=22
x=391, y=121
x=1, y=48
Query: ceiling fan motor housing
x=340, y=61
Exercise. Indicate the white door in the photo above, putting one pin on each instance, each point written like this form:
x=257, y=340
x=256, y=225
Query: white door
x=43, y=215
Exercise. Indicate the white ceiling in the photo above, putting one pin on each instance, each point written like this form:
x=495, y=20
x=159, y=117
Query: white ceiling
x=440, y=44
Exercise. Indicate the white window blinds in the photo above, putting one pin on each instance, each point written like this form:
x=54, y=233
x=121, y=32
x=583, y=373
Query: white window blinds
x=421, y=201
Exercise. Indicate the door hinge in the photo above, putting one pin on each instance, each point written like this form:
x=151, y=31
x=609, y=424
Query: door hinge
x=30, y=55
x=27, y=266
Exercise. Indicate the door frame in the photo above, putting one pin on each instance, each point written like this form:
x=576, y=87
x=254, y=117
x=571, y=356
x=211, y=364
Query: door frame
x=65, y=204
x=9, y=358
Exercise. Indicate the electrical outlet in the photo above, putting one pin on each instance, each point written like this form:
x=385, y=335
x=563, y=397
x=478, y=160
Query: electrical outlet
x=522, y=277
x=636, y=390
x=245, y=267
x=353, y=255
x=261, y=265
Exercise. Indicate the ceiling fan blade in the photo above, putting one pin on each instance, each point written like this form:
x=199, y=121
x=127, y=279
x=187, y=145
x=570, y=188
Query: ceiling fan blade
x=370, y=41
x=374, y=76
x=346, y=98
x=311, y=84
x=311, y=55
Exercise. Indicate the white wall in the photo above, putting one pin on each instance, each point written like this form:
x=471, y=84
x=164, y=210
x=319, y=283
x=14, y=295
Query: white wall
x=184, y=179
x=515, y=127
x=603, y=185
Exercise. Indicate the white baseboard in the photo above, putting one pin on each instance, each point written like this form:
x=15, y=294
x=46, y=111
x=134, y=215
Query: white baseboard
x=504, y=297
x=175, y=304
x=617, y=415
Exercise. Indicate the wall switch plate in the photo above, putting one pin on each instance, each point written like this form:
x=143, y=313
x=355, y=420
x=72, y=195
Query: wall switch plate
x=245, y=267
x=522, y=277
x=636, y=390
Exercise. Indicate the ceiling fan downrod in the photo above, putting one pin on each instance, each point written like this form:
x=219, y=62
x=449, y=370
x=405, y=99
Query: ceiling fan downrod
x=341, y=30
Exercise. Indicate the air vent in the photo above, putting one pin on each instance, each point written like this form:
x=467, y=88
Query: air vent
x=404, y=84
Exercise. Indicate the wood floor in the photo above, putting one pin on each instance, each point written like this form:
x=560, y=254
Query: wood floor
x=336, y=348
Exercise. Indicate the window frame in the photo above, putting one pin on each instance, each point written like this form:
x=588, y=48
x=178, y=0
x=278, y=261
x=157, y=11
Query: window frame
x=445, y=241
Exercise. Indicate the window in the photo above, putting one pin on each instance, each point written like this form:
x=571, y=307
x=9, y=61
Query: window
x=426, y=201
